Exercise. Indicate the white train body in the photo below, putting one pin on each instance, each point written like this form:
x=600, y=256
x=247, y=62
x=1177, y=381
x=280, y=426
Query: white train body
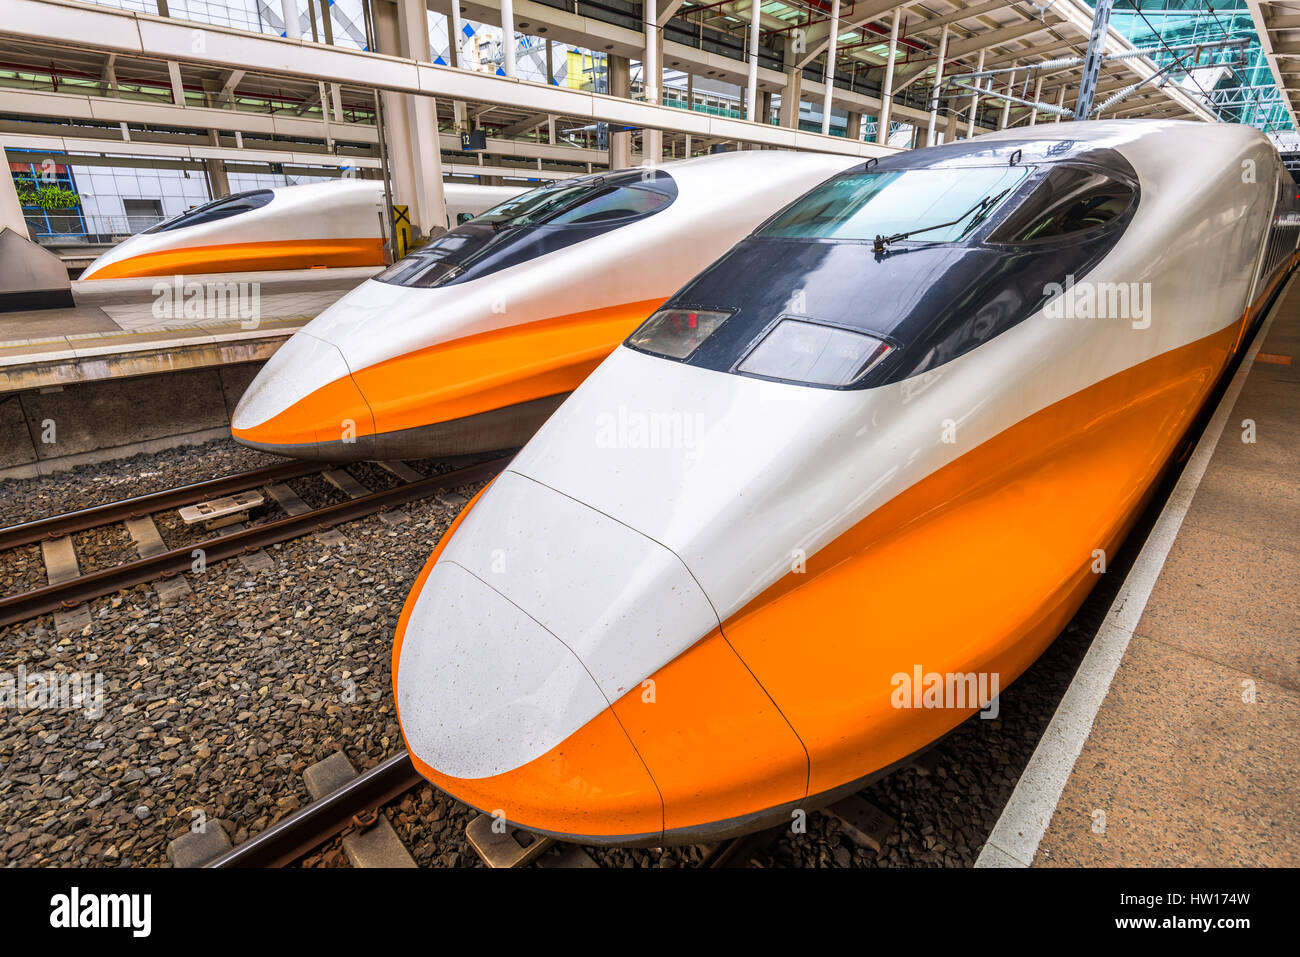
x=331, y=224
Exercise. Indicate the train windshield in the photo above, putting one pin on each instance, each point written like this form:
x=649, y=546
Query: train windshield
x=863, y=205
x=231, y=205
x=554, y=218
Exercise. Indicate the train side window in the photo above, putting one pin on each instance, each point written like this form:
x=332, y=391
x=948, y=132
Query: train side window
x=222, y=208
x=616, y=202
x=536, y=205
x=1068, y=200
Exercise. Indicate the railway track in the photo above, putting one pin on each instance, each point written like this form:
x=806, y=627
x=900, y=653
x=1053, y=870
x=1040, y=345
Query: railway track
x=69, y=589
x=353, y=806
x=69, y=523
x=356, y=804
x=292, y=837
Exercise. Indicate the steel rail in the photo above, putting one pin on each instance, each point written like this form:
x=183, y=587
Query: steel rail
x=99, y=515
x=293, y=837
x=68, y=594
x=301, y=832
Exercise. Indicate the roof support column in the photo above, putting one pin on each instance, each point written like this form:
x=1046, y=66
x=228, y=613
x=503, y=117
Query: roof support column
x=974, y=100
x=178, y=89
x=620, y=84
x=652, y=141
x=887, y=91
x=1038, y=95
x=1006, y=104
x=1060, y=100
x=218, y=181
x=109, y=84
x=455, y=36
x=508, y=35
x=829, y=75
x=938, y=82
x=326, y=19
x=790, y=93
x=415, y=151
x=292, y=24
x=455, y=28
x=752, y=101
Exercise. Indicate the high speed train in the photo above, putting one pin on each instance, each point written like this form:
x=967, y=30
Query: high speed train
x=844, y=486
x=335, y=223
x=471, y=341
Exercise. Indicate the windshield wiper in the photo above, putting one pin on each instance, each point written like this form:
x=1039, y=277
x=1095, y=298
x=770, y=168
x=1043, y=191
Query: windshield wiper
x=985, y=204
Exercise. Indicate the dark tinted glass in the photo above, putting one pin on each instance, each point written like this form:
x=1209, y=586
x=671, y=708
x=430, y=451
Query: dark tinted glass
x=591, y=199
x=1068, y=199
x=537, y=223
x=619, y=202
x=537, y=205
x=231, y=205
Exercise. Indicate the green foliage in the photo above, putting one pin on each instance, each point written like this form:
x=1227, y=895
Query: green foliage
x=44, y=195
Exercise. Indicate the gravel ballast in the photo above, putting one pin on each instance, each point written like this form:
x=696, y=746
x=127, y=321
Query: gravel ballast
x=214, y=706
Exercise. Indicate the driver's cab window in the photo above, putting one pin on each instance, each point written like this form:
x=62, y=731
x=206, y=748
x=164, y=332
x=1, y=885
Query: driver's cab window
x=616, y=202
x=1069, y=199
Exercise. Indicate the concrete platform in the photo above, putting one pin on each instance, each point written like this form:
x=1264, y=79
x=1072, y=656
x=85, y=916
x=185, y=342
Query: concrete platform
x=1178, y=743
x=131, y=327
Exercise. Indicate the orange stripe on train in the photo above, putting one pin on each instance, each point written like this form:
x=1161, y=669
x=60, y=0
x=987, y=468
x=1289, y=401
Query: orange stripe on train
x=248, y=257
x=975, y=568
x=459, y=378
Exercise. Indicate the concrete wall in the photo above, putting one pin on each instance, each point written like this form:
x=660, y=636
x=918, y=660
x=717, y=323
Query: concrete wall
x=96, y=421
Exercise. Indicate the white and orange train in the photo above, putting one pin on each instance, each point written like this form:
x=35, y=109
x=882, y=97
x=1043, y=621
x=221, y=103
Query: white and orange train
x=886, y=436
x=469, y=343
x=335, y=223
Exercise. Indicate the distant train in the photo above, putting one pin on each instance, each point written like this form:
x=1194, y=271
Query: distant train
x=335, y=223
x=472, y=340
x=844, y=487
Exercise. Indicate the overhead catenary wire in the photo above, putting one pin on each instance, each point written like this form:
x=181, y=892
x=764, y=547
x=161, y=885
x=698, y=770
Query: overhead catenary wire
x=1168, y=49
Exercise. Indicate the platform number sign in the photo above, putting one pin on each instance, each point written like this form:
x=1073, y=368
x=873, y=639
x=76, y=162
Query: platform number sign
x=473, y=140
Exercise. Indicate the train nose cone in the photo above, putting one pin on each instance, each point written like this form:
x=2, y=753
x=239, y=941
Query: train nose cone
x=304, y=403
x=537, y=616
x=620, y=601
x=482, y=688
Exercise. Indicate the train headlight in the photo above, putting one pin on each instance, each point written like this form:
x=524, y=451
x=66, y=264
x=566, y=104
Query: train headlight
x=810, y=353
x=676, y=333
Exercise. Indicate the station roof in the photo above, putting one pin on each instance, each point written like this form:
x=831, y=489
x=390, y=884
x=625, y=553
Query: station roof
x=1278, y=28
